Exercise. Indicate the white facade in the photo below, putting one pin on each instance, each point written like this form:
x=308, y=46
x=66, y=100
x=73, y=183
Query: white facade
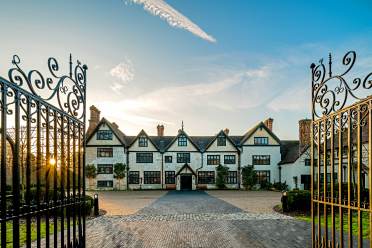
x=292, y=172
x=157, y=162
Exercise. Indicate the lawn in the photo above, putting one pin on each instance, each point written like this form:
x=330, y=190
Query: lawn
x=365, y=222
x=22, y=231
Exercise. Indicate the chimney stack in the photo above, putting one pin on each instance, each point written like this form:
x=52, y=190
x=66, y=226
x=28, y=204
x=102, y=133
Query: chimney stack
x=160, y=130
x=115, y=125
x=269, y=123
x=94, y=118
x=304, y=133
x=226, y=131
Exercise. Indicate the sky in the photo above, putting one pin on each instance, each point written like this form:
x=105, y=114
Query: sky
x=240, y=62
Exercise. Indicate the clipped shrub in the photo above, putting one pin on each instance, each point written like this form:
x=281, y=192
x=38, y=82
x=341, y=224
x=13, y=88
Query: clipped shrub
x=280, y=186
x=299, y=200
x=266, y=185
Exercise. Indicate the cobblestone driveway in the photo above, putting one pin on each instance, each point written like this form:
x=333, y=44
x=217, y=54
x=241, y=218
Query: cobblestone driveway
x=196, y=219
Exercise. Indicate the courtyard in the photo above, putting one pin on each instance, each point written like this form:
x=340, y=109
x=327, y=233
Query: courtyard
x=194, y=219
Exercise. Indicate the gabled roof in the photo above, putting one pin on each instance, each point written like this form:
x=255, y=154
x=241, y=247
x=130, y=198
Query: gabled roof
x=217, y=135
x=181, y=132
x=250, y=132
x=185, y=166
x=118, y=134
x=143, y=133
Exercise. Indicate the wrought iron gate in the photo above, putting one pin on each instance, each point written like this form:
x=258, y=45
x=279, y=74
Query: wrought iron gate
x=42, y=132
x=341, y=156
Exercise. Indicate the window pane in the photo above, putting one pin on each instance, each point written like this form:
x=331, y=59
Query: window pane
x=232, y=177
x=151, y=177
x=182, y=140
x=133, y=177
x=144, y=157
x=104, y=135
x=261, y=159
x=183, y=157
x=142, y=141
x=229, y=159
x=103, y=184
x=104, y=152
x=263, y=176
x=261, y=140
x=221, y=141
x=213, y=159
x=104, y=169
x=170, y=177
x=168, y=159
x=206, y=177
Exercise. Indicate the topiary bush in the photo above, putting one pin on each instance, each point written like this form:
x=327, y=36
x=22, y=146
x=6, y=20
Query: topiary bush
x=299, y=200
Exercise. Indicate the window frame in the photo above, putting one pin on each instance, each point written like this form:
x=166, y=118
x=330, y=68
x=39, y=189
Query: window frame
x=134, y=177
x=179, y=161
x=167, y=157
x=265, y=174
x=151, y=177
x=109, y=151
x=261, y=160
x=143, y=141
x=104, y=135
x=182, y=140
x=170, y=177
x=110, y=170
x=206, y=177
x=232, y=177
x=261, y=141
x=225, y=156
x=141, y=155
x=221, y=138
x=213, y=159
x=111, y=183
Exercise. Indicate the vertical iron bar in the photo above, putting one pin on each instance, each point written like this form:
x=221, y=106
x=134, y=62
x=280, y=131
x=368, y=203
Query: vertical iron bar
x=62, y=171
x=38, y=170
x=318, y=188
x=55, y=178
x=350, y=233
x=340, y=184
x=79, y=187
x=4, y=90
x=74, y=181
x=28, y=173
x=47, y=165
x=332, y=180
x=370, y=167
x=359, y=161
x=312, y=184
x=325, y=181
x=68, y=208
x=15, y=176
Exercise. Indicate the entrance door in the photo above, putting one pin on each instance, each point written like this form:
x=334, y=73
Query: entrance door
x=186, y=182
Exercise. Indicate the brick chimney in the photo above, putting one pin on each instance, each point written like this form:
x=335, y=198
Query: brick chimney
x=226, y=131
x=94, y=118
x=269, y=123
x=160, y=130
x=304, y=133
x=115, y=125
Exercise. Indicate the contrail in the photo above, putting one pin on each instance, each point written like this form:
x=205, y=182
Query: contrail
x=173, y=17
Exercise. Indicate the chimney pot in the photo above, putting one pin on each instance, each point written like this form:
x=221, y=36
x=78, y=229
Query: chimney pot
x=94, y=118
x=269, y=123
x=160, y=129
x=304, y=133
x=226, y=131
x=115, y=125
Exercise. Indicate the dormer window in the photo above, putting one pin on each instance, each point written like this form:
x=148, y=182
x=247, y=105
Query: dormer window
x=261, y=140
x=143, y=141
x=182, y=140
x=104, y=135
x=221, y=140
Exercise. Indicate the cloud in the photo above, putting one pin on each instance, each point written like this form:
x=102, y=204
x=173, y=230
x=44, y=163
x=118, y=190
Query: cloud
x=123, y=71
x=173, y=17
x=293, y=99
